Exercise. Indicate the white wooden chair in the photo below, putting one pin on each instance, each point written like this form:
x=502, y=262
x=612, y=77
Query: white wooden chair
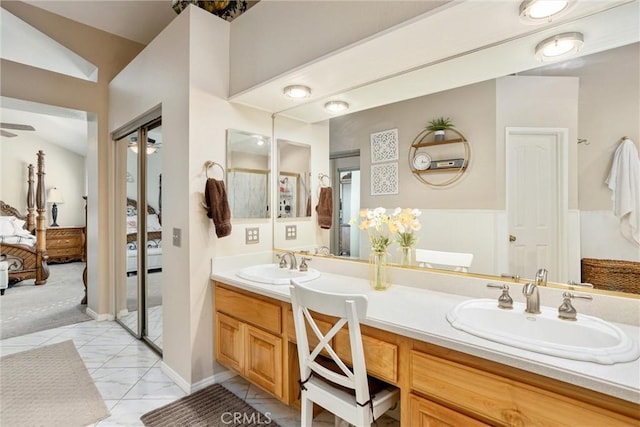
x=457, y=261
x=325, y=386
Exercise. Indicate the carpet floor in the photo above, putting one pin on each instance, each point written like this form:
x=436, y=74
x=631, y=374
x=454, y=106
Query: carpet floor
x=212, y=406
x=48, y=386
x=26, y=308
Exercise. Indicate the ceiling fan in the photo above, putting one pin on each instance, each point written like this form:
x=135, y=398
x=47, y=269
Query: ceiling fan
x=13, y=126
x=152, y=146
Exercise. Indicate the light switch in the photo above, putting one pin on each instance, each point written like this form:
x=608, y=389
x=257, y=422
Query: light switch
x=251, y=235
x=177, y=237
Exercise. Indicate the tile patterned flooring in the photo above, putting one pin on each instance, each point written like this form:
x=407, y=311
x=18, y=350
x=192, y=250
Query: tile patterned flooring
x=128, y=375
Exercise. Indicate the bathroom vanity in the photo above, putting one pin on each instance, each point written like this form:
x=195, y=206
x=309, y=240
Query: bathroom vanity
x=445, y=375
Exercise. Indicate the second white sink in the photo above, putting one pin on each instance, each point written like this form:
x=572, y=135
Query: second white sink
x=588, y=339
x=274, y=275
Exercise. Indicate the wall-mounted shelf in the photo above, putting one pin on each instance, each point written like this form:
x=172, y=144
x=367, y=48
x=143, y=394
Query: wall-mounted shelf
x=426, y=139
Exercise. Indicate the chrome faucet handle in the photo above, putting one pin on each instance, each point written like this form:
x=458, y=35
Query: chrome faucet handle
x=283, y=261
x=303, y=264
x=541, y=277
x=567, y=311
x=504, y=300
x=511, y=276
x=573, y=284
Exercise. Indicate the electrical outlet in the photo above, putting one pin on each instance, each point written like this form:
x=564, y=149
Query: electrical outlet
x=291, y=232
x=251, y=235
x=177, y=237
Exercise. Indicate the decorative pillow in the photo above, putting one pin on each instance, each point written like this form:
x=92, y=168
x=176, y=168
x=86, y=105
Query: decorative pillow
x=7, y=226
x=18, y=225
x=153, y=223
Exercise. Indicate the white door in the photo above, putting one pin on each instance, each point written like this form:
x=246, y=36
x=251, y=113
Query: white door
x=534, y=191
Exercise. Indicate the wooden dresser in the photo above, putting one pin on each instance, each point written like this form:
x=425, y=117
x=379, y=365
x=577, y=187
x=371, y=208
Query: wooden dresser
x=65, y=244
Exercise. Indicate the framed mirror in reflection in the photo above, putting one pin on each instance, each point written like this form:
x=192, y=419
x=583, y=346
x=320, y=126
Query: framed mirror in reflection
x=294, y=180
x=558, y=105
x=248, y=174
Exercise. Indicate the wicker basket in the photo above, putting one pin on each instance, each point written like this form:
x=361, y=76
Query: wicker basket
x=611, y=274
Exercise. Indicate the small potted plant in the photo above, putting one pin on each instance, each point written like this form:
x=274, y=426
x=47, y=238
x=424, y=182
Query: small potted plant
x=438, y=127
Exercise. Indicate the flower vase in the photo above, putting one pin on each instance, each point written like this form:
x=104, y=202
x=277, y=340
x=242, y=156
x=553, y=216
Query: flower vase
x=406, y=255
x=379, y=271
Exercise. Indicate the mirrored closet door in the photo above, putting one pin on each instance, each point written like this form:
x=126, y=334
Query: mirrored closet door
x=139, y=239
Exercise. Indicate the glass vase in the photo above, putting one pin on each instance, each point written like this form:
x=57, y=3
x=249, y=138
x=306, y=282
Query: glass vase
x=406, y=255
x=379, y=271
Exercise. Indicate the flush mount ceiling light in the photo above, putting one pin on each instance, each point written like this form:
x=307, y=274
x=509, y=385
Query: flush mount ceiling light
x=537, y=11
x=559, y=46
x=297, y=91
x=336, y=106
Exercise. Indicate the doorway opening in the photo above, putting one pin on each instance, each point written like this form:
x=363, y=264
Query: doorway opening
x=345, y=238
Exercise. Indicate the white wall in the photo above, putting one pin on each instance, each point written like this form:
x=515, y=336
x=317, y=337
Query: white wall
x=64, y=169
x=195, y=118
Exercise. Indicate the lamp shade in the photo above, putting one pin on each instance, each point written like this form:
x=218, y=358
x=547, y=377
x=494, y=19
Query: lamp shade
x=55, y=196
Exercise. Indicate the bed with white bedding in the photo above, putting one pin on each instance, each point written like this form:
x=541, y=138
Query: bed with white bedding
x=153, y=240
x=23, y=250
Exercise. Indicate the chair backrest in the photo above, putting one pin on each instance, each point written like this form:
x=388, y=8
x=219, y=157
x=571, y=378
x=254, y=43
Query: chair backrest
x=459, y=261
x=349, y=309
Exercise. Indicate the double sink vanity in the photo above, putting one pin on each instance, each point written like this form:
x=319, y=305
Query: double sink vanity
x=455, y=355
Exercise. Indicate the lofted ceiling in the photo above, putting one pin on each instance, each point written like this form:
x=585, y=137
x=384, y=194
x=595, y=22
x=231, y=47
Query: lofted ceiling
x=454, y=44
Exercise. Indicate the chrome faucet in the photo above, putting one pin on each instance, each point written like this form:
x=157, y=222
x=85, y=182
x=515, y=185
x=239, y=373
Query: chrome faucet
x=530, y=292
x=541, y=277
x=293, y=264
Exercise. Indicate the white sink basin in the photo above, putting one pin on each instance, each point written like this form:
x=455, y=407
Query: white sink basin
x=589, y=338
x=272, y=274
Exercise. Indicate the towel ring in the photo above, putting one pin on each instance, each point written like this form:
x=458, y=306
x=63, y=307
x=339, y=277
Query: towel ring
x=321, y=177
x=209, y=164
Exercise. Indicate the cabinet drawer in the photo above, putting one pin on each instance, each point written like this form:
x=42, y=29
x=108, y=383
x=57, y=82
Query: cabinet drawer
x=255, y=311
x=64, y=242
x=499, y=400
x=380, y=356
x=64, y=252
x=424, y=413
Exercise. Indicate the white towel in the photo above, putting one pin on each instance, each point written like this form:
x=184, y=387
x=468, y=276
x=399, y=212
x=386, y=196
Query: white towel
x=624, y=182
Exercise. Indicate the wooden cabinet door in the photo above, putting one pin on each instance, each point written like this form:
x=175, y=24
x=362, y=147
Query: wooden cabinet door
x=424, y=413
x=229, y=342
x=263, y=359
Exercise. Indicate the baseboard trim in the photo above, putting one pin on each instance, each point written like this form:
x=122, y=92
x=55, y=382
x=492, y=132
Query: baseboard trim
x=99, y=317
x=190, y=388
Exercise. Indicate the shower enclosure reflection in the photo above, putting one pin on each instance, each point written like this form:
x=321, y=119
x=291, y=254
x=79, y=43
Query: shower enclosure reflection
x=248, y=168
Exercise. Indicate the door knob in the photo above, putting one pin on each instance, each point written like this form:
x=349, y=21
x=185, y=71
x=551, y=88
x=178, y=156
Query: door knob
x=512, y=238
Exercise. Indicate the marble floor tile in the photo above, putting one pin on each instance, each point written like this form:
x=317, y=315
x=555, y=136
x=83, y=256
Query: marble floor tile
x=127, y=374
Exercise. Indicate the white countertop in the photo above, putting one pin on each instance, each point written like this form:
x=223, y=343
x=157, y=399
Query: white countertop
x=421, y=314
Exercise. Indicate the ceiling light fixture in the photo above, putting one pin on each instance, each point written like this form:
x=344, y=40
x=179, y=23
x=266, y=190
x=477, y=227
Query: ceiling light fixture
x=559, y=46
x=297, y=91
x=336, y=106
x=537, y=11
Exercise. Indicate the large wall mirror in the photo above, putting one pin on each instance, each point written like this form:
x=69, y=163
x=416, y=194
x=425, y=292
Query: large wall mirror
x=248, y=174
x=587, y=100
x=294, y=179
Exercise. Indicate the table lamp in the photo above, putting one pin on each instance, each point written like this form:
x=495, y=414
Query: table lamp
x=54, y=196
